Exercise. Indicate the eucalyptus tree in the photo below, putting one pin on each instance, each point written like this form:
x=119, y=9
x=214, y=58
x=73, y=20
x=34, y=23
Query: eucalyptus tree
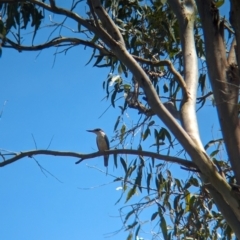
x=160, y=55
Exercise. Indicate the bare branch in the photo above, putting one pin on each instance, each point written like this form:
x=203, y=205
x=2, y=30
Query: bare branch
x=171, y=68
x=56, y=42
x=111, y=29
x=204, y=97
x=62, y=11
x=82, y=156
x=185, y=12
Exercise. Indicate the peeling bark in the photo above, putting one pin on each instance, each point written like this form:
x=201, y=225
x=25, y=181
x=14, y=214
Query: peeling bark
x=235, y=21
x=185, y=12
x=224, y=81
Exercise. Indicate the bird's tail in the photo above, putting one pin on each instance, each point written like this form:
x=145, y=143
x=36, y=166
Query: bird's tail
x=106, y=160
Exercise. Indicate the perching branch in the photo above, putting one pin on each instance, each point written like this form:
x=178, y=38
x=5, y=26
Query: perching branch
x=31, y=153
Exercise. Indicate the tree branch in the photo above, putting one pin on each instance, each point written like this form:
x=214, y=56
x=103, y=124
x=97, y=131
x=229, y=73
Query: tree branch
x=106, y=21
x=56, y=42
x=235, y=21
x=171, y=68
x=220, y=75
x=31, y=153
x=185, y=12
x=225, y=209
x=62, y=11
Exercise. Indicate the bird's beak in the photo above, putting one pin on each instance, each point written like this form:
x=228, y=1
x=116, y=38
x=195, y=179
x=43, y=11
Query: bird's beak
x=89, y=130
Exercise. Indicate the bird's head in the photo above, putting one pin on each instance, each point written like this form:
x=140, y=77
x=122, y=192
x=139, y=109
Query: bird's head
x=96, y=131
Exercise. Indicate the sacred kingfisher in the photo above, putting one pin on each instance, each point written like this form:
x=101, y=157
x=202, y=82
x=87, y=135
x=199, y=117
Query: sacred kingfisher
x=102, y=142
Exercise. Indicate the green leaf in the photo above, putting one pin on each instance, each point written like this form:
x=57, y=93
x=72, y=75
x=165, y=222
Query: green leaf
x=178, y=184
x=149, y=177
x=79, y=27
x=219, y=3
x=194, y=181
x=2, y=30
x=99, y=59
x=131, y=192
x=123, y=164
x=175, y=202
x=214, y=153
x=163, y=226
x=113, y=98
x=154, y=215
x=137, y=231
x=138, y=181
x=115, y=159
x=187, y=200
x=130, y=236
x=161, y=134
x=202, y=82
x=146, y=133
x=108, y=82
x=169, y=173
x=117, y=122
x=191, y=202
x=156, y=135
x=26, y=10
x=126, y=87
x=131, y=169
x=151, y=123
x=124, y=107
x=95, y=38
x=157, y=183
x=124, y=69
x=117, y=179
x=131, y=226
x=165, y=88
x=167, y=134
x=93, y=54
x=122, y=131
x=142, y=161
x=36, y=21
x=129, y=214
x=153, y=161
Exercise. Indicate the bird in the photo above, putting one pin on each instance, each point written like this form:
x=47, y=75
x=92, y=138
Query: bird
x=102, y=142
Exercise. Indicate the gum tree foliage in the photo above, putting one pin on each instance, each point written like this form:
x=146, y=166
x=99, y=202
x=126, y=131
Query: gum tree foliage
x=160, y=55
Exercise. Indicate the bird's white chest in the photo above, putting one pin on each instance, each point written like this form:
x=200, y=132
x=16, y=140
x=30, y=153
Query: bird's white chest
x=101, y=142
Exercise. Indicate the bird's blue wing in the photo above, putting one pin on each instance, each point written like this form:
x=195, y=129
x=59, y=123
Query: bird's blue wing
x=107, y=141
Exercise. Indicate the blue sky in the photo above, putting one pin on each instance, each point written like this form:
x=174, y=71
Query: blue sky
x=59, y=102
